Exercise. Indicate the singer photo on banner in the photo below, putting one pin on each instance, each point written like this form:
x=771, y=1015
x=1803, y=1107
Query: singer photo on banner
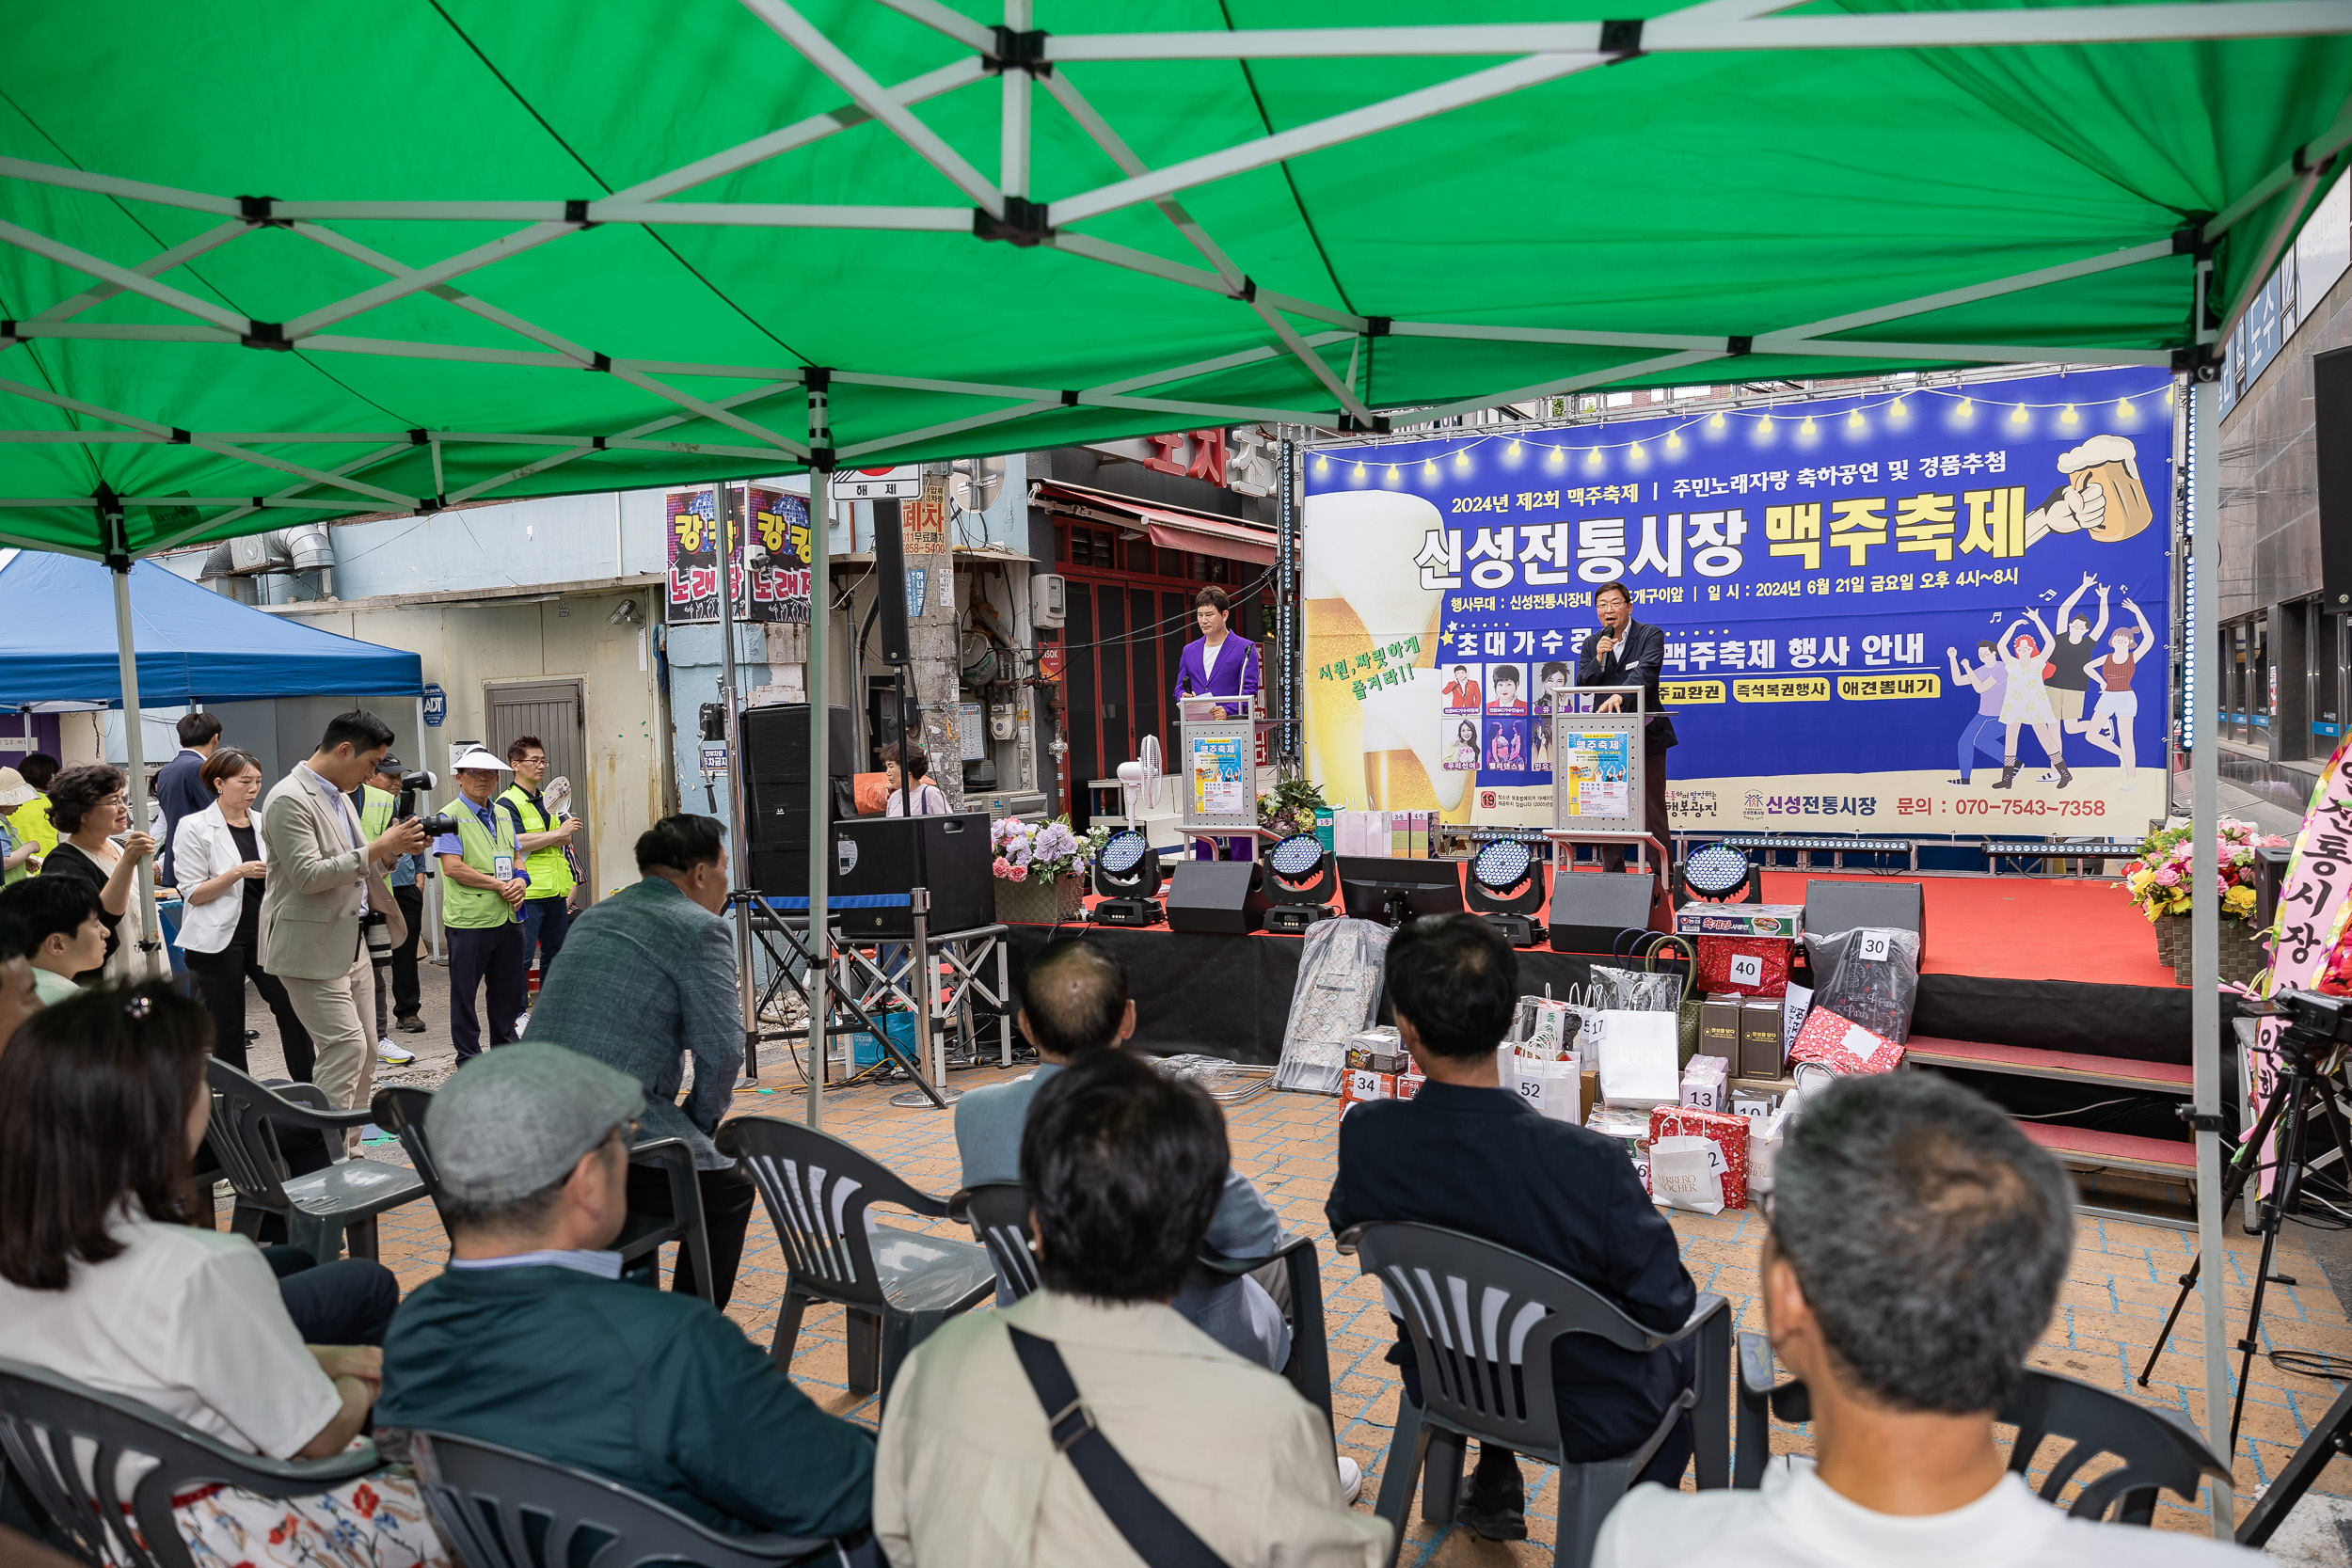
x=1945, y=608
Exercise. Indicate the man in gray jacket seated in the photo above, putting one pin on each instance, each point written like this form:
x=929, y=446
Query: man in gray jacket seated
x=1073, y=1000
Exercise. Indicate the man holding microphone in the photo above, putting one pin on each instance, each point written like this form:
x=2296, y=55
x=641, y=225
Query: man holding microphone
x=1627, y=653
x=484, y=885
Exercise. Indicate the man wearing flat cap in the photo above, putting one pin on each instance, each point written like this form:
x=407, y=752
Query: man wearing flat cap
x=532, y=1339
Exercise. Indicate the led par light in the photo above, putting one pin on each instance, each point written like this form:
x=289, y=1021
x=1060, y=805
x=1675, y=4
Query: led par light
x=1720, y=873
x=1127, y=874
x=1505, y=888
x=1300, y=882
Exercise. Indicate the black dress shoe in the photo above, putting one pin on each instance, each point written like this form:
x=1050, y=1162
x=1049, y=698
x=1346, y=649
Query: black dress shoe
x=1497, y=1514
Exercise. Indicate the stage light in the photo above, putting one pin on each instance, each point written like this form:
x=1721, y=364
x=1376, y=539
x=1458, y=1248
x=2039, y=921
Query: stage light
x=1505, y=888
x=2068, y=417
x=1719, y=873
x=1127, y=874
x=1300, y=881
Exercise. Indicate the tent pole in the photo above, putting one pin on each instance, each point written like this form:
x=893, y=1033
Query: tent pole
x=737, y=853
x=118, y=566
x=2205, y=925
x=819, y=734
x=430, y=911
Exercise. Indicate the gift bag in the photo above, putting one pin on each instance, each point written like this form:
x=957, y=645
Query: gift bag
x=1742, y=966
x=1686, y=1173
x=1550, y=1087
x=1869, y=975
x=1843, y=1046
x=1728, y=1133
x=1639, y=1062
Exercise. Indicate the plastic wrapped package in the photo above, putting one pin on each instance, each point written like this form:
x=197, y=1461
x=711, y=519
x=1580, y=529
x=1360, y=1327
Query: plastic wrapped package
x=1867, y=975
x=1338, y=995
x=1635, y=991
x=1228, y=1082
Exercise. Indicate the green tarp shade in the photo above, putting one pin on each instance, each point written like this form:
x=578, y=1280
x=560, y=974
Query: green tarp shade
x=1716, y=195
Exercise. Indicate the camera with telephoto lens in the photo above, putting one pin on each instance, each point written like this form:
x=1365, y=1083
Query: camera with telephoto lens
x=378, y=934
x=411, y=785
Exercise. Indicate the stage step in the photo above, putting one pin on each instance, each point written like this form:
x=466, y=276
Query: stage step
x=2065, y=1065
x=2157, y=1157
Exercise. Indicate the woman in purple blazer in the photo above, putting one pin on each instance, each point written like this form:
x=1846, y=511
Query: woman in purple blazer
x=1215, y=664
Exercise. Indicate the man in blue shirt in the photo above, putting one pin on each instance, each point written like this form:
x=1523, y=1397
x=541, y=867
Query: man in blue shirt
x=532, y=1340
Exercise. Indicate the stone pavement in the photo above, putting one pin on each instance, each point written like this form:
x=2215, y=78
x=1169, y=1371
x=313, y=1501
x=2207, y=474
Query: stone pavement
x=2117, y=1293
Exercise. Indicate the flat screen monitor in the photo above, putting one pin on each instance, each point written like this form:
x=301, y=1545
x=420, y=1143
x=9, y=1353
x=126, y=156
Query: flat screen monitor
x=1368, y=885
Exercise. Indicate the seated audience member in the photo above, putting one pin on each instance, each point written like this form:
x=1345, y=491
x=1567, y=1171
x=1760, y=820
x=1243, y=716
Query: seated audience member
x=20, y=998
x=62, y=916
x=1073, y=1002
x=1916, y=1247
x=1466, y=1154
x=1124, y=1168
x=532, y=1338
x=655, y=984
x=102, y=1105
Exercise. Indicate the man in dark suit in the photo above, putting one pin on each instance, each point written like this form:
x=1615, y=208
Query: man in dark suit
x=1469, y=1155
x=180, y=786
x=1629, y=653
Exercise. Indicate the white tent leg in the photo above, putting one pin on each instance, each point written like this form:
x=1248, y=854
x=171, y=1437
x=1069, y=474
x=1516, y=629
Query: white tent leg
x=2205, y=927
x=134, y=752
x=820, y=735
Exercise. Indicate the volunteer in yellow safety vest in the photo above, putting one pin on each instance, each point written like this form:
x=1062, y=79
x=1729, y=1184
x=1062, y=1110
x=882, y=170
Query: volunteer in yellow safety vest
x=25, y=800
x=482, y=887
x=543, y=838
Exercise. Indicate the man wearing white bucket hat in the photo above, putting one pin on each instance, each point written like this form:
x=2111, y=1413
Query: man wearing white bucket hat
x=484, y=884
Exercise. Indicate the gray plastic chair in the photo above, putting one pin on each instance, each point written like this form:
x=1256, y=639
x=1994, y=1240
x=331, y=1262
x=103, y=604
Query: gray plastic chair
x=401, y=1112
x=2159, y=1449
x=500, y=1507
x=321, y=1208
x=1486, y=1372
x=43, y=1415
x=999, y=1212
x=897, y=1285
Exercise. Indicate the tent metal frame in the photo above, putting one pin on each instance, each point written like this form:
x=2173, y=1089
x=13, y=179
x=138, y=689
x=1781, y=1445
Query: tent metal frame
x=1023, y=60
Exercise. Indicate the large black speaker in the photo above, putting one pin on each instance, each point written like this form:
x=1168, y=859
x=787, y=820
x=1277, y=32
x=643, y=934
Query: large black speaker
x=1831, y=905
x=2331, y=436
x=890, y=584
x=1221, y=897
x=1589, y=909
x=874, y=866
x=775, y=791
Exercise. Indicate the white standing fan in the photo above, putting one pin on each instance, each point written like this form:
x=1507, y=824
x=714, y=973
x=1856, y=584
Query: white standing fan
x=1141, y=778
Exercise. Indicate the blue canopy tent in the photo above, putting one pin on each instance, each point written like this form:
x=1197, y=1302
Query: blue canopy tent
x=58, y=646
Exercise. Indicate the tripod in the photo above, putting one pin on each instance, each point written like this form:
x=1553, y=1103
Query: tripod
x=2301, y=1047
x=821, y=984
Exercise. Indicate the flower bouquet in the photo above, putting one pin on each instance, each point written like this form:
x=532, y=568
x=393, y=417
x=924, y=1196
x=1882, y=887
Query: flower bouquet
x=2163, y=882
x=1040, y=869
x=1290, y=807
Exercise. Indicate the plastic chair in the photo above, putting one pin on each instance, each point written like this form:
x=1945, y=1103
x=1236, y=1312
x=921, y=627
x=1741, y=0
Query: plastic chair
x=44, y=1417
x=319, y=1209
x=999, y=1212
x=1486, y=1372
x=2160, y=1450
x=401, y=1112
x=897, y=1285
x=498, y=1508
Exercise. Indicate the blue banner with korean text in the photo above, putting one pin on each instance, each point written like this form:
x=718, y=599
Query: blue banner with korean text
x=1941, y=608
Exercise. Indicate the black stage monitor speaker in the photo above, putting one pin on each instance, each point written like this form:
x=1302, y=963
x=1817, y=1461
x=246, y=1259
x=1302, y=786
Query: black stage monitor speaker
x=874, y=865
x=2331, y=429
x=1831, y=906
x=775, y=791
x=890, y=584
x=1216, y=895
x=1590, y=907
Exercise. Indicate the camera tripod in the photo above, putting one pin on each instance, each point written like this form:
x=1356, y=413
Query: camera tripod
x=2310, y=1052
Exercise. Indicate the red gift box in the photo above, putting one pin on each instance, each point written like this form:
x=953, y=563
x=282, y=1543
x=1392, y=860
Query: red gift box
x=1743, y=966
x=1727, y=1132
x=1842, y=1045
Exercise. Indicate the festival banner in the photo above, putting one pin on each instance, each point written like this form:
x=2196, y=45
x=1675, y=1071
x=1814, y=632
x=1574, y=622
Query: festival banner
x=1943, y=609
x=769, y=526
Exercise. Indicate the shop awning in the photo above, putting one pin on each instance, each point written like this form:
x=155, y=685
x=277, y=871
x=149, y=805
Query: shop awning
x=1172, y=528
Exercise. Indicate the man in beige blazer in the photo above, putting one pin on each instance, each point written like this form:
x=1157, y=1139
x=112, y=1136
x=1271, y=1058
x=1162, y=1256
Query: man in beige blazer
x=323, y=876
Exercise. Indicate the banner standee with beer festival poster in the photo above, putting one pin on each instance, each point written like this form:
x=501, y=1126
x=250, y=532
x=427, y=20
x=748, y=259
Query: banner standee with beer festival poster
x=1937, y=609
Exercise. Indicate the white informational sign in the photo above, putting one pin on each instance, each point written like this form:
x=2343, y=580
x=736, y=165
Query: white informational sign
x=714, y=756
x=972, y=731
x=903, y=482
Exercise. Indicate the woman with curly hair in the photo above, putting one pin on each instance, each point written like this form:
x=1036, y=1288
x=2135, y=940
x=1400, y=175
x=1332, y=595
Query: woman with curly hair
x=86, y=806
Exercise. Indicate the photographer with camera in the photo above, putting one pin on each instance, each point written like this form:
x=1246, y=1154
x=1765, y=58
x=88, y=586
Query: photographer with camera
x=484, y=885
x=324, y=878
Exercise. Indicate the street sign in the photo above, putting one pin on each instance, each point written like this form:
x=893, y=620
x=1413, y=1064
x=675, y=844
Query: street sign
x=903, y=482
x=714, y=755
x=435, y=706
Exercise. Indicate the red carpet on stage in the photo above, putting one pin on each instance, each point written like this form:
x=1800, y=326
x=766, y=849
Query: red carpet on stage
x=2019, y=928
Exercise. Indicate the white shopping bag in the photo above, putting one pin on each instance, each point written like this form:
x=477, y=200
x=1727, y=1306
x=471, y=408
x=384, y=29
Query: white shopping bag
x=1640, y=1061
x=1686, y=1173
x=1551, y=1087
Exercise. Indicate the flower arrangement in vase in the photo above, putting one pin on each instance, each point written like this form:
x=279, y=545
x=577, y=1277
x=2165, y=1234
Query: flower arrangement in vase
x=1040, y=867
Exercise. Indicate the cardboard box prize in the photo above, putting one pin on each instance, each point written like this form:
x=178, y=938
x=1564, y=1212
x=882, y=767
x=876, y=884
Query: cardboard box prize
x=1719, y=1028
x=1760, y=1042
x=1843, y=1046
x=1785, y=921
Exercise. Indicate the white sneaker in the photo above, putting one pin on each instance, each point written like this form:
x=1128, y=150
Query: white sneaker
x=522, y=1022
x=392, y=1055
x=1351, y=1480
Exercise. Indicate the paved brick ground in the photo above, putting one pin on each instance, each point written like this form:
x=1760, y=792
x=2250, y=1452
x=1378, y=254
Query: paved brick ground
x=2116, y=1296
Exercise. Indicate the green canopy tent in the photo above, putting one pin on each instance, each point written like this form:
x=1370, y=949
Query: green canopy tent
x=274, y=260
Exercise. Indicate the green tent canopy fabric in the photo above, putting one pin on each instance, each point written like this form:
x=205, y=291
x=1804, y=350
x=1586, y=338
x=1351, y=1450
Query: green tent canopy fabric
x=263, y=262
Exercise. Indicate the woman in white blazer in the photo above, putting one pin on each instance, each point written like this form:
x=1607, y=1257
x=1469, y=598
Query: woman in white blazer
x=221, y=859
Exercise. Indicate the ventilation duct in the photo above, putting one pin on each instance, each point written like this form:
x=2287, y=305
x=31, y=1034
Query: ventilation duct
x=305, y=547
